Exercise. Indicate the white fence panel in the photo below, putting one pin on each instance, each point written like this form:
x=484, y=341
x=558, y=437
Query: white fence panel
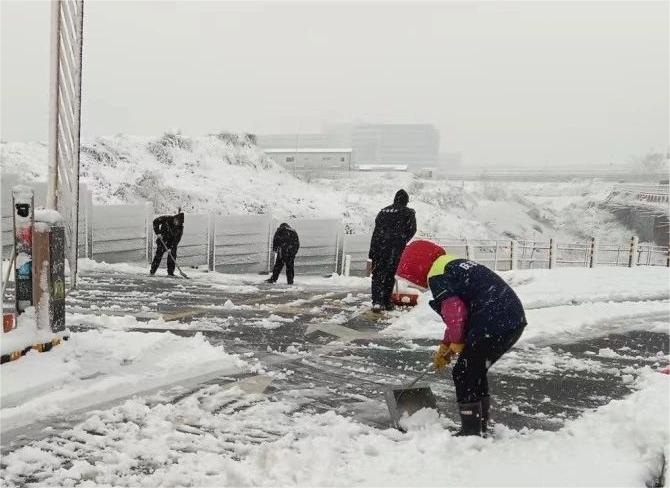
x=241, y=243
x=192, y=249
x=357, y=246
x=319, y=245
x=119, y=233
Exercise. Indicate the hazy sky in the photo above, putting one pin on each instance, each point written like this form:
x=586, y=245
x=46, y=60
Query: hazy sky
x=505, y=82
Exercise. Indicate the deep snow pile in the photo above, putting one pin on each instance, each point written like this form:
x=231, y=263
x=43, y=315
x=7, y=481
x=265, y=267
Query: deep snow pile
x=229, y=174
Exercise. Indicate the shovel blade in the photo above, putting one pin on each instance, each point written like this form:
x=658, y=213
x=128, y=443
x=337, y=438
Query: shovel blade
x=410, y=400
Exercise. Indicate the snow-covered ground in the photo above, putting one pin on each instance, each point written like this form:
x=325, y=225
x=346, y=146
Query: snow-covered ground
x=193, y=443
x=228, y=435
x=228, y=174
x=566, y=304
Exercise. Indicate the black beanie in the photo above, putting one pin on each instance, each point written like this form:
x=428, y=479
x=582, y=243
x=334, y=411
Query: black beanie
x=401, y=199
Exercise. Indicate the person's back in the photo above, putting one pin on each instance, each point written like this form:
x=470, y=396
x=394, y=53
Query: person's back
x=286, y=239
x=286, y=244
x=169, y=230
x=395, y=225
x=489, y=300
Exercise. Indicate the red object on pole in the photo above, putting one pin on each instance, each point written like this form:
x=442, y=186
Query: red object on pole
x=8, y=321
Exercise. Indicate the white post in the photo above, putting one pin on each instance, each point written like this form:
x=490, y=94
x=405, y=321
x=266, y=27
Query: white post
x=149, y=229
x=52, y=182
x=552, y=253
x=632, y=254
x=495, y=257
x=211, y=244
x=337, y=250
x=347, y=265
x=593, y=253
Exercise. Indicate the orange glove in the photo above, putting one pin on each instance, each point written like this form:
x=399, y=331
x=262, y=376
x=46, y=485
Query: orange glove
x=444, y=353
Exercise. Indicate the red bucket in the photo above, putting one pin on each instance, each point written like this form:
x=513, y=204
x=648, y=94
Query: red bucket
x=404, y=299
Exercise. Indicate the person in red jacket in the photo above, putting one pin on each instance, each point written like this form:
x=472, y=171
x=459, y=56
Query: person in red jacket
x=483, y=317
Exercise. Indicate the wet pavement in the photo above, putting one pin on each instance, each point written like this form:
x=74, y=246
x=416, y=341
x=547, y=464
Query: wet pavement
x=320, y=344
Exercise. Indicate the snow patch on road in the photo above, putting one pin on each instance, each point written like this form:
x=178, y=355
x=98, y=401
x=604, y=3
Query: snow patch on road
x=102, y=364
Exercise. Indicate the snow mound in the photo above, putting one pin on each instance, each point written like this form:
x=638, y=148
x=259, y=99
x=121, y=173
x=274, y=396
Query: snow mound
x=228, y=174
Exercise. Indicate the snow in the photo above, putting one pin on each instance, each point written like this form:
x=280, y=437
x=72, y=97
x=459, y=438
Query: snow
x=566, y=303
x=26, y=333
x=191, y=444
x=48, y=216
x=228, y=175
x=99, y=365
x=240, y=283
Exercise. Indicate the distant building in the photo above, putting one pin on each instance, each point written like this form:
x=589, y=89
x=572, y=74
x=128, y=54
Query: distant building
x=414, y=145
x=312, y=160
x=381, y=167
x=410, y=144
x=293, y=141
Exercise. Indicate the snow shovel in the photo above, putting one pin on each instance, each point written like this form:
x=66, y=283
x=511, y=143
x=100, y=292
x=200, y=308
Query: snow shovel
x=183, y=275
x=409, y=399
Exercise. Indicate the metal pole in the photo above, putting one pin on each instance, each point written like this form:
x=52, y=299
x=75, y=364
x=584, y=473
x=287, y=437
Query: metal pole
x=592, y=254
x=52, y=182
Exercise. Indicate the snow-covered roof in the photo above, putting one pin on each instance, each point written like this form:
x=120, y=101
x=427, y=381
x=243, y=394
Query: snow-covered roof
x=308, y=150
x=382, y=167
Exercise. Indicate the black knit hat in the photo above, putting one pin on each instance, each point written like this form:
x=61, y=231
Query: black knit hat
x=401, y=198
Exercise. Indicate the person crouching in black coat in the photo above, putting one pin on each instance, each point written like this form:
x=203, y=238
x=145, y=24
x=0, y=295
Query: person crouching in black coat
x=168, y=230
x=286, y=244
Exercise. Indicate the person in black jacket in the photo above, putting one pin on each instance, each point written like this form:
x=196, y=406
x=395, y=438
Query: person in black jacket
x=395, y=225
x=168, y=230
x=286, y=244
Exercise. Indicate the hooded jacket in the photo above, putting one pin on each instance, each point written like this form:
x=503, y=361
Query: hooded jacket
x=171, y=227
x=395, y=226
x=286, y=240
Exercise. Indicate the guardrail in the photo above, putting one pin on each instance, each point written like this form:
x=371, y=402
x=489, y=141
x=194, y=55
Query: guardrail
x=504, y=255
x=242, y=243
x=642, y=193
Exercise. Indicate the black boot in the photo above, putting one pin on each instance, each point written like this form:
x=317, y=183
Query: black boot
x=271, y=280
x=471, y=419
x=486, y=406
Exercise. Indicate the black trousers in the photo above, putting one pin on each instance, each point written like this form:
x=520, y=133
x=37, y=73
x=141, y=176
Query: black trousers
x=383, y=276
x=284, y=259
x=160, y=250
x=481, y=350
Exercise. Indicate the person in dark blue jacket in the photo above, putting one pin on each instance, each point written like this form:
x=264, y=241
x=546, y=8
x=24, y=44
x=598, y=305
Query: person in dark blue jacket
x=483, y=316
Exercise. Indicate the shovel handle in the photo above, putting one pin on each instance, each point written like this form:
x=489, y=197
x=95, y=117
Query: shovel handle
x=424, y=373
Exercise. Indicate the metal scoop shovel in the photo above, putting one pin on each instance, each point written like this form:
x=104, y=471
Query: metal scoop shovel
x=409, y=399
